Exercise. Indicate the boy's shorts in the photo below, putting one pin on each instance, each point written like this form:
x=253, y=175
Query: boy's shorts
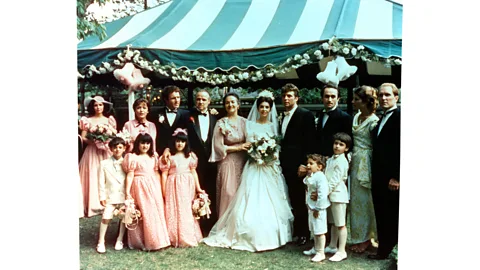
x=337, y=213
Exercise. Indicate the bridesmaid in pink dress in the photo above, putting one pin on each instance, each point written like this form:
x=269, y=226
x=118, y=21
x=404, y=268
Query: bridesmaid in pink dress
x=93, y=154
x=140, y=123
x=229, y=150
x=179, y=186
x=143, y=185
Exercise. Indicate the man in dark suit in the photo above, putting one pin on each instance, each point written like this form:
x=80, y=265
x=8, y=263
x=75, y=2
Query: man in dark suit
x=200, y=131
x=386, y=171
x=297, y=127
x=330, y=121
x=169, y=118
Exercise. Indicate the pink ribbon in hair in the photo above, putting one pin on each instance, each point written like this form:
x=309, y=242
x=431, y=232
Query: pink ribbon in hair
x=179, y=130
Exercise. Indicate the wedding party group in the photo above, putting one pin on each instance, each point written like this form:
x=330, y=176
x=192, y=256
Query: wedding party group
x=264, y=181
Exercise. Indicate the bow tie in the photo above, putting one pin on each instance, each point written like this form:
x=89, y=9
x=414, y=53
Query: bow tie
x=287, y=113
x=387, y=112
x=171, y=111
x=141, y=124
x=117, y=162
x=200, y=113
x=328, y=113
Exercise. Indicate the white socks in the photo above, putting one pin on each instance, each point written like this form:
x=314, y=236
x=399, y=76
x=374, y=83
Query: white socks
x=122, y=232
x=320, y=243
x=103, y=230
x=342, y=239
x=333, y=236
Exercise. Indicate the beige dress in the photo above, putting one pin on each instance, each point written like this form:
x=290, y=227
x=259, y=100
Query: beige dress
x=230, y=165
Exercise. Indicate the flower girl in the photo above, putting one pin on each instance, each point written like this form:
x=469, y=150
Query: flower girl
x=179, y=187
x=143, y=186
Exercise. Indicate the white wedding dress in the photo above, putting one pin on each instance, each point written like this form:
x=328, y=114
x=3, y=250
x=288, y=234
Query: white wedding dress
x=259, y=217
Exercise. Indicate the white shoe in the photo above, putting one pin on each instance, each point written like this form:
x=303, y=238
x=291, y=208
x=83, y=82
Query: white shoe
x=101, y=248
x=328, y=249
x=310, y=252
x=119, y=245
x=339, y=256
x=318, y=257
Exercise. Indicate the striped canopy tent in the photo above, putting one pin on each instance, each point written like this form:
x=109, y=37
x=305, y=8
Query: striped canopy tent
x=228, y=41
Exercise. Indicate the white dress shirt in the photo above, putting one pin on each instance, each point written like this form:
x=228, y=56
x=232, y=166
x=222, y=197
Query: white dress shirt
x=286, y=119
x=171, y=117
x=385, y=118
x=325, y=115
x=204, y=122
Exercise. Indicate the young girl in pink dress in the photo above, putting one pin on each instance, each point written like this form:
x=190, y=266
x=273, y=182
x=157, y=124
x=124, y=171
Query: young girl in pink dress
x=94, y=153
x=140, y=123
x=179, y=186
x=143, y=185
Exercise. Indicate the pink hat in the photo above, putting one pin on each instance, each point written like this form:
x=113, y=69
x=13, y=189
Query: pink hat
x=87, y=101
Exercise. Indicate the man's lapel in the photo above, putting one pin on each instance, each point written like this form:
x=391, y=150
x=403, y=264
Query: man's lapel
x=177, y=117
x=163, y=113
x=292, y=120
x=196, y=125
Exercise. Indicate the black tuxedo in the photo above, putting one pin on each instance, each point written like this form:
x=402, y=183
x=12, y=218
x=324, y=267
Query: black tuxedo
x=206, y=171
x=295, y=146
x=164, y=129
x=338, y=121
x=386, y=165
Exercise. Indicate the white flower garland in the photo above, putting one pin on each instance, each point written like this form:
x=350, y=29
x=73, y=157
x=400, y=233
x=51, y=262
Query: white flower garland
x=231, y=77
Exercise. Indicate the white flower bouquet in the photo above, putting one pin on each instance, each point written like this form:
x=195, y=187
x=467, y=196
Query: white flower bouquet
x=264, y=149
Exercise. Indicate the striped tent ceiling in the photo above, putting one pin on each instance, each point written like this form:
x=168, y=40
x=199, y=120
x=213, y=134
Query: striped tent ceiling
x=241, y=33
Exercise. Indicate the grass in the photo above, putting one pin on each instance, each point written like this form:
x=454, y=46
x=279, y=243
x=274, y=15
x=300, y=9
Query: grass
x=204, y=257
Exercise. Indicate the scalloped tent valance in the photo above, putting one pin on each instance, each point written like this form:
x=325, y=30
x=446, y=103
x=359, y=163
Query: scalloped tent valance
x=222, y=39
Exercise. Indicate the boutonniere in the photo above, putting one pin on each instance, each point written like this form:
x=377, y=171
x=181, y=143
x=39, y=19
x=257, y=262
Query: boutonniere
x=161, y=118
x=192, y=120
x=316, y=121
x=280, y=117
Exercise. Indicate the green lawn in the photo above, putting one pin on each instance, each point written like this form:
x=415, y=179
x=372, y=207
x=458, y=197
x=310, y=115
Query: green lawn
x=203, y=257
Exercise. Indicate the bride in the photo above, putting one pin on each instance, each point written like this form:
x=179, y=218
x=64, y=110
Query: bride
x=259, y=217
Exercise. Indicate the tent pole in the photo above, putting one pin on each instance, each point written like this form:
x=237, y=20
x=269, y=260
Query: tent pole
x=82, y=96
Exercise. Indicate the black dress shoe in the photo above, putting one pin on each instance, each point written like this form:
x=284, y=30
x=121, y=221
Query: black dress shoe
x=377, y=257
x=301, y=241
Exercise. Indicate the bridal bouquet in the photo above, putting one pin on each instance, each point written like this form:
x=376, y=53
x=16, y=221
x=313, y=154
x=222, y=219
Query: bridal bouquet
x=264, y=148
x=129, y=213
x=101, y=133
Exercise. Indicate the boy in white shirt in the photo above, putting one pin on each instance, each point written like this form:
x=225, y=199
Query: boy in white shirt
x=317, y=210
x=112, y=190
x=337, y=173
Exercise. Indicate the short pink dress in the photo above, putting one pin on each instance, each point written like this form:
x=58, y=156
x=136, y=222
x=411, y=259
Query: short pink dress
x=183, y=228
x=88, y=169
x=151, y=232
x=134, y=128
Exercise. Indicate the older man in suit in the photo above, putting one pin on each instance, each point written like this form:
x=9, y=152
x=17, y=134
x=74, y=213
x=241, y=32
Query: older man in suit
x=200, y=129
x=297, y=126
x=330, y=121
x=386, y=171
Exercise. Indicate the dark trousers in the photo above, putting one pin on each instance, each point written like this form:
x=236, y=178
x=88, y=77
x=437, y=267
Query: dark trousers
x=386, y=205
x=296, y=192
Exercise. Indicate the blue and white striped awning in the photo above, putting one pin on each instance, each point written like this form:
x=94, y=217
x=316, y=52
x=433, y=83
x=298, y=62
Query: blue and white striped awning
x=226, y=33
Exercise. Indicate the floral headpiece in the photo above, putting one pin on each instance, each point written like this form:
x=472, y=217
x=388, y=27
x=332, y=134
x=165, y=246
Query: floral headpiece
x=179, y=130
x=266, y=93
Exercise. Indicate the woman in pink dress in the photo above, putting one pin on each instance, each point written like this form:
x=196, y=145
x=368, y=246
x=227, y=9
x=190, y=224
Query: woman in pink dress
x=140, y=123
x=143, y=186
x=179, y=187
x=93, y=154
x=229, y=150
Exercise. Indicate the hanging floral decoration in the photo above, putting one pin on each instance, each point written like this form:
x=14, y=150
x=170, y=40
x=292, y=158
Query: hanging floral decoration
x=234, y=76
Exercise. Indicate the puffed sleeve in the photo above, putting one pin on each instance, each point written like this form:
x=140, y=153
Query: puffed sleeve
x=193, y=161
x=128, y=164
x=84, y=123
x=219, y=149
x=112, y=122
x=162, y=166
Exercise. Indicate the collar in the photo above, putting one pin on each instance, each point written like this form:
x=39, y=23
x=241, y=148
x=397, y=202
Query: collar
x=168, y=110
x=390, y=110
x=138, y=123
x=205, y=113
x=292, y=111
x=117, y=160
x=333, y=109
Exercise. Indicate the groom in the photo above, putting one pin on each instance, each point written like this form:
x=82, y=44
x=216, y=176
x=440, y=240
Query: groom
x=297, y=127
